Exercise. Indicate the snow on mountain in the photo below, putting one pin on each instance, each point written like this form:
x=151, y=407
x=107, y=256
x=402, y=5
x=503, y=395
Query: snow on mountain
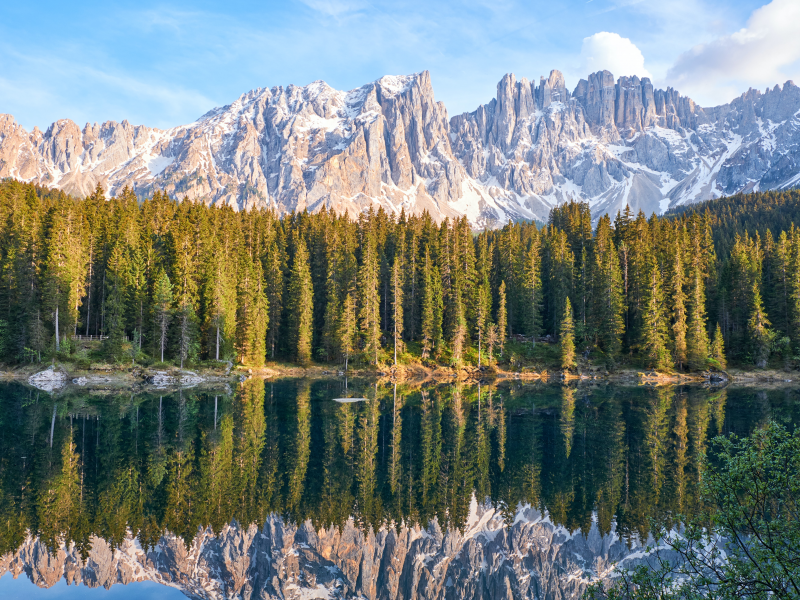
x=529, y=558
x=390, y=144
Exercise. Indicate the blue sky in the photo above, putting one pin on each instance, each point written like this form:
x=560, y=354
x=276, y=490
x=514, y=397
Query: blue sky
x=166, y=63
x=23, y=589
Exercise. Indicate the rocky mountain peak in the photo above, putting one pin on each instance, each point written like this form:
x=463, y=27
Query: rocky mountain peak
x=391, y=144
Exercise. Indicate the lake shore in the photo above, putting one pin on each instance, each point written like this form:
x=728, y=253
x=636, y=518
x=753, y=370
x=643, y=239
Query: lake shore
x=62, y=375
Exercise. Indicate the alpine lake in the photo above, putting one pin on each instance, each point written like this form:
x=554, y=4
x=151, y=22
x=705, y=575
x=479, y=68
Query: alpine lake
x=300, y=489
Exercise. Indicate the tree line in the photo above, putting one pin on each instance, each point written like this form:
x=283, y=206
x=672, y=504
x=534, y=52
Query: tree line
x=184, y=282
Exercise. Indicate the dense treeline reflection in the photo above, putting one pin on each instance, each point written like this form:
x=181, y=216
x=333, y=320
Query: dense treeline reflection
x=77, y=466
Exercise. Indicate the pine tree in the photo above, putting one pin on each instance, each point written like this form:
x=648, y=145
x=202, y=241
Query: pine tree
x=186, y=332
x=502, y=318
x=348, y=328
x=114, y=306
x=532, y=278
x=718, y=349
x=459, y=329
x=483, y=310
x=300, y=304
x=679, y=326
x=697, y=338
x=368, y=284
x=654, y=326
x=220, y=305
x=567, y=337
x=253, y=313
x=438, y=311
x=397, y=302
x=162, y=308
x=274, y=274
x=608, y=305
x=760, y=335
x=427, y=307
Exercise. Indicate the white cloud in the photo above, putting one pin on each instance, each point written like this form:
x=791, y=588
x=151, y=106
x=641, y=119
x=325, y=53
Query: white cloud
x=766, y=51
x=611, y=51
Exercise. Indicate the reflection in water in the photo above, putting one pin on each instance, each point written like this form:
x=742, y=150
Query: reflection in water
x=96, y=465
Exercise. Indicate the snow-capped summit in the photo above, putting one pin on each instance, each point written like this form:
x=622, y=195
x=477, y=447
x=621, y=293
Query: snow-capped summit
x=389, y=143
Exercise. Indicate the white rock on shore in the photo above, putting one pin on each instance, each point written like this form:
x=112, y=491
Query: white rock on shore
x=48, y=380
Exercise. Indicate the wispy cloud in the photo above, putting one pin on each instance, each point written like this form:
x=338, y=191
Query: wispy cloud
x=765, y=52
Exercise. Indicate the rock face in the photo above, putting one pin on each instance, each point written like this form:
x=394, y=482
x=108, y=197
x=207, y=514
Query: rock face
x=529, y=559
x=390, y=143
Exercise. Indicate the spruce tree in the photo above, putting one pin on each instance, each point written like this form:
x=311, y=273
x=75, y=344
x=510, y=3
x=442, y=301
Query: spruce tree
x=718, y=349
x=274, y=276
x=253, y=313
x=502, y=318
x=427, y=307
x=608, y=304
x=162, y=308
x=348, y=329
x=759, y=333
x=438, y=312
x=567, y=337
x=482, y=313
x=654, y=326
x=368, y=290
x=300, y=304
x=397, y=302
x=532, y=278
x=114, y=306
x=697, y=338
x=679, y=327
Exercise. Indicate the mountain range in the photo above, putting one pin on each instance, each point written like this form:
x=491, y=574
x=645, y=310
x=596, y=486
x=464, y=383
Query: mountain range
x=490, y=558
x=390, y=143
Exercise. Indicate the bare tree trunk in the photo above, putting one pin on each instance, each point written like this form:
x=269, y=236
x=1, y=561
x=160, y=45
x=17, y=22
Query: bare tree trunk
x=58, y=345
x=217, y=344
x=53, y=424
x=89, y=296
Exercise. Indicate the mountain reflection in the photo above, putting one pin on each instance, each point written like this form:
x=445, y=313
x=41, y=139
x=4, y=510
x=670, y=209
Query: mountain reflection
x=78, y=466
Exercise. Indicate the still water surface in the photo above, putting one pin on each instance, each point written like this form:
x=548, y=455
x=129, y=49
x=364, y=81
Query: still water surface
x=81, y=467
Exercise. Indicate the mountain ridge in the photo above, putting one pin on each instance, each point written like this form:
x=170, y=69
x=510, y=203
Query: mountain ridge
x=390, y=144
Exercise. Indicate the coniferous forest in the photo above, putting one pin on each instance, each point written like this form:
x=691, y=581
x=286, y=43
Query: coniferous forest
x=177, y=282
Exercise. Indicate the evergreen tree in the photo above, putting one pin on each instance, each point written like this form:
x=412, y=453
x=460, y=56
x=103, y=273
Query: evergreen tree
x=114, y=307
x=502, y=318
x=718, y=348
x=758, y=328
x=697, y=338
x=162, y=309
x=654, y=325
x=679, y=327
x=567, y=337
x=427, y=307
x=607, y=317
x=348, y=328
x=483, y=310
x=368, y=284
x=220, y=305
x=300, y=304
x=186, y=333
x=397, y=302
x=273, y=272
x=437, y=297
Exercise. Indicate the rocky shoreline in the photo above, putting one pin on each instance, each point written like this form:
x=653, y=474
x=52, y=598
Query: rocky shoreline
x=59, y=377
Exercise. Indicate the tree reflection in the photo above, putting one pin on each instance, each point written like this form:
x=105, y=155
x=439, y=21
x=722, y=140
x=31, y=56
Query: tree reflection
x=407, y=454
